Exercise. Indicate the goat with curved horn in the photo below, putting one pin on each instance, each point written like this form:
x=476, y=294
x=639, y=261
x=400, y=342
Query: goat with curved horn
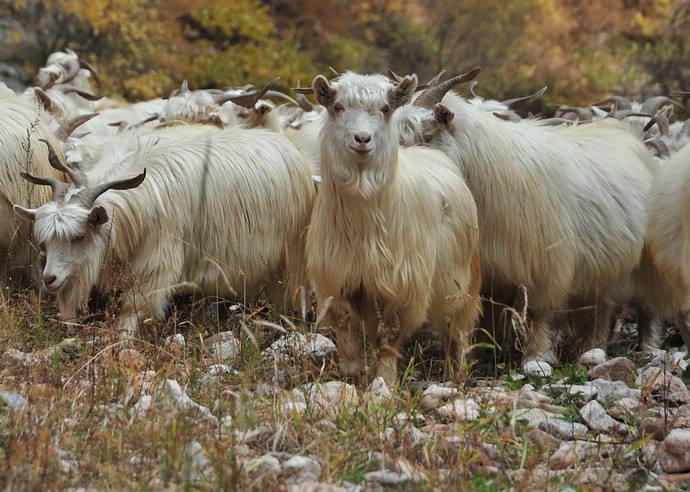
x=433, y=95
x=77, y=177
x=525, y=102
x=72, y=124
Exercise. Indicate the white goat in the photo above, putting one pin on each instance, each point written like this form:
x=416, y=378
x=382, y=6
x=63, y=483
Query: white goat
x=393, y=237
x=225, y=211
x=561, y=209
x=669, y=241
x=20, y=151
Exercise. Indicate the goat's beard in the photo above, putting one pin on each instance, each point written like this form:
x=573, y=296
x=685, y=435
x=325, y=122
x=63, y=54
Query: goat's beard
x=363, y=178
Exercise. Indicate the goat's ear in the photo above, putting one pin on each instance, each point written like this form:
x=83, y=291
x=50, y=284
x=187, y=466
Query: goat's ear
x=325, y=93
x=402, y=93
x=443, y=115
x=263, y=109
x=27, y=214
x=97, y=216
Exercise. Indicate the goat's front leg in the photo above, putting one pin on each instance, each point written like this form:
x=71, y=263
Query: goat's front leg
x=348, y=330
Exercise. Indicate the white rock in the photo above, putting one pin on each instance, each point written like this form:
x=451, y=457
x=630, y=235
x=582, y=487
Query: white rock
x=14, y=356
x=379, y=392
x=435, y=394
x=301, y=344
x=387, y=478
x=534, y=416
x=537, y=368
x=263, y=464
x=663, y=385
x=332, y=395
x=302, y=469
x=220, y=370
x=223, y=346
x=563, y=429
x=292, y=402
x=142, y=406
x=201, y=468
x=175, y=394
x=13, y=401
x=674, y=454
x=592, y=358
x=598, y=420
x=461, y=409
x=176, y=343
x=587, y=391
x=610, y=391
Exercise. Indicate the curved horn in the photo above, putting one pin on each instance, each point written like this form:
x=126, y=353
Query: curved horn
x=89, y=195
x=435, y=79
x=525, y=101
x=87, y=66
x=619, y=102
x=653, y=104
x=394, y=76
x=661, y=120
x=304, y=103
x=184, y=87
x=86, y=95
x=70, y=125
x=660, y=147
x=53, y=159
x=334, y=72
x=280, y=95
x=71, y=71
x=474, y=84
x=250, y=99
x=59, y=188
x=433, y=95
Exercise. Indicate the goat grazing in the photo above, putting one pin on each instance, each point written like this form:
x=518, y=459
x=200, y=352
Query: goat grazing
x=393, y=237
x=225, y=211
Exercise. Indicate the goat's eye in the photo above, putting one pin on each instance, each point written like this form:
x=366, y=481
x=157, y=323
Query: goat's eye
x=338, y=108
x=386, y=109
x=427, y=138
x=42, y=247
x=78, y=239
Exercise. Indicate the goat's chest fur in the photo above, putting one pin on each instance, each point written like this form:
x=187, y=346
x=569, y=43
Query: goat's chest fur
x=391, y=247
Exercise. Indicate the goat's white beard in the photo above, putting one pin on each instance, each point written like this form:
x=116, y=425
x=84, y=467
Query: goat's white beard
x=360, y=178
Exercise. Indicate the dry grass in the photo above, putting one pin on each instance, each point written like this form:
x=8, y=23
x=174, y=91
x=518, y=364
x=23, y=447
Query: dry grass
x=82, y=430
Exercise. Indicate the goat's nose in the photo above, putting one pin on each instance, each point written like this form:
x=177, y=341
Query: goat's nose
x=362, y=138
x=49, y=279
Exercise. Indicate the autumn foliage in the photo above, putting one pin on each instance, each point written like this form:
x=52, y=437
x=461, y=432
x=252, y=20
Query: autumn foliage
x=144, y=48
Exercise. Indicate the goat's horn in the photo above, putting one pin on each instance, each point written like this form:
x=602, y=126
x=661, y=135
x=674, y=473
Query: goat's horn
x=525, y=101
x=70, y=125
x=304, y=103
x=334, y=72
x=86, y=95
x=652, y=104
x=433, y=95
x=53, y=159
x=59, y=188
x=87, y=66
x=89, y=195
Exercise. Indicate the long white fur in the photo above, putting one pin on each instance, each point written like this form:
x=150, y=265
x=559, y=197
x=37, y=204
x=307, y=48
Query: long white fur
x=393, y=239
x=226, y=211
x=561, y=209
x=17, y=116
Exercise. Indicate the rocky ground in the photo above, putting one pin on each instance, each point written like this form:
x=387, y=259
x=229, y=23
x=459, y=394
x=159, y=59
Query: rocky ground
x=245, y=400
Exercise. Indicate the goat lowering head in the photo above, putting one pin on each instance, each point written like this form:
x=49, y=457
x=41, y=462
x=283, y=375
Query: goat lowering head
x=359, y=143
x=427, y=121
x=67, y=229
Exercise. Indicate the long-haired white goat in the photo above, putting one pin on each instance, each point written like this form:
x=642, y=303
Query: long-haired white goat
x=393, y=238
x=225, y=211
x=561, y=209
x=669, y=241
x=20, y=151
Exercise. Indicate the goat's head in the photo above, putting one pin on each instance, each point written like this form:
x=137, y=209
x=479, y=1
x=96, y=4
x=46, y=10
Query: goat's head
x=67, y=229
x=359, y=141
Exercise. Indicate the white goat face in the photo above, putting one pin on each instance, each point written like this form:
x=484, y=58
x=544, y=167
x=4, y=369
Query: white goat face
x=421, y=126
x=358, y=135
x=67, y=238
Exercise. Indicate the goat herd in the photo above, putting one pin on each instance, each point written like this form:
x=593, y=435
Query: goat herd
x=398, y=204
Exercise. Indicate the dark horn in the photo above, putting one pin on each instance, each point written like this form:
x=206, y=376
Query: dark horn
x=433, y=95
